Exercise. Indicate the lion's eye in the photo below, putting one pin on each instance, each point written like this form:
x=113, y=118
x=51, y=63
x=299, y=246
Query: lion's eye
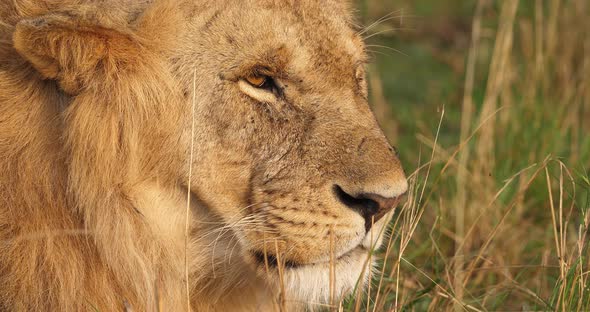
x=261, y=82
x=256, y=80
x=261, y=87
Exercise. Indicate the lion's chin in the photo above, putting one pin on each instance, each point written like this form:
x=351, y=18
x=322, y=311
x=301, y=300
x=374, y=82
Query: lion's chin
x=318, y=284
x=315, y=285
x=327, y=282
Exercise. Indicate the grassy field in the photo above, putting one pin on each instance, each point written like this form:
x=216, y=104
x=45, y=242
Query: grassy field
x=489, y=105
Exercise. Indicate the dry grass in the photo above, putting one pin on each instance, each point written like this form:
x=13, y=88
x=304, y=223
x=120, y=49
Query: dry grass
x=498, y=215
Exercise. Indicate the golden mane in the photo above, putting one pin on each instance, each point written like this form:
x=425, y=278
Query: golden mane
x=65, y=162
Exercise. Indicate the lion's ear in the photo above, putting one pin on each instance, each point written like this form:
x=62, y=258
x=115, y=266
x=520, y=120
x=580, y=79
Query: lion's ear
x=78, y=46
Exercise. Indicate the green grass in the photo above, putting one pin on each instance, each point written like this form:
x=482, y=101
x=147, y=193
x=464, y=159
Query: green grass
x=504, y=220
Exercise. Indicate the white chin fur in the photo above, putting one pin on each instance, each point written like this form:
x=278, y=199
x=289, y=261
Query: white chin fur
x=309, y=285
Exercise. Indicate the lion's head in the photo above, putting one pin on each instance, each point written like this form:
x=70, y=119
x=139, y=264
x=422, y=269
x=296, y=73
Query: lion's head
x=255, y=111
x=286, y=139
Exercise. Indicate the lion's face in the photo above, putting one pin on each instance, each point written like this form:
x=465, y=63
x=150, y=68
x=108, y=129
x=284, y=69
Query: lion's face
x=286, y=150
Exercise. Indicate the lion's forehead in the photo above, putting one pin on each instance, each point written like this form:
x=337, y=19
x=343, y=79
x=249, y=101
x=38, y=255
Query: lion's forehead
x=316, y=38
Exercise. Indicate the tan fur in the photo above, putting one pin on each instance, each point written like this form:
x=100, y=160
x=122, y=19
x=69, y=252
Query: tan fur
x=96, y=134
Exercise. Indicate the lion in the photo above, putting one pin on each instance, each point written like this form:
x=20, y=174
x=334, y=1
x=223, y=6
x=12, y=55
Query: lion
x=187, y=155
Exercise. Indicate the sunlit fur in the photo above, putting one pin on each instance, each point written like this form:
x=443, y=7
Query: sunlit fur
x=104, y=104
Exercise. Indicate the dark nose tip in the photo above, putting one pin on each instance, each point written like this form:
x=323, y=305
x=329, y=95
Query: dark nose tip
x=371, y=207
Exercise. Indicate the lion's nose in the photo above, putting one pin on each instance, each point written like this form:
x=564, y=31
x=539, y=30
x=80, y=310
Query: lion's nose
x=370, y=206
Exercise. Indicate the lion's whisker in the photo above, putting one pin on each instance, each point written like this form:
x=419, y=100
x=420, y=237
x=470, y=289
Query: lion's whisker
x=381, y=20
x=385, y=47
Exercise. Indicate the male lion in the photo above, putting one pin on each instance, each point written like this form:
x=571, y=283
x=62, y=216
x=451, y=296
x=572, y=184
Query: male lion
x=242, y=126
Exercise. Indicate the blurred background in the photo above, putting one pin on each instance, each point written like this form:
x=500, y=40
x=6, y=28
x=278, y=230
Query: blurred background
x=488, y=102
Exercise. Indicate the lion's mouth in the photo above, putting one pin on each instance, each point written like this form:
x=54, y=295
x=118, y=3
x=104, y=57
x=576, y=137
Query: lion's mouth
x=272, y=262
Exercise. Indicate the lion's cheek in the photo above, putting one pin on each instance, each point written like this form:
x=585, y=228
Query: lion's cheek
x=219, y=180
